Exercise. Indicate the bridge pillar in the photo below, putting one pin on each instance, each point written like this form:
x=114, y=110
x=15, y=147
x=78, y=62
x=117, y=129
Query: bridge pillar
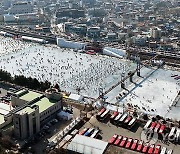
x=130, y=76
x=122, y=80
x=101, y=93
x=138, y=69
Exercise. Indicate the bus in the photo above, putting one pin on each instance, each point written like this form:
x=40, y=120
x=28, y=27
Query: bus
x=132, y=123
x=100, y=112
x=104, y=115
x=95, y=133
x=117, y=118
x=89, y=132
x=162, y=128
x=147, y=124
x=172, y=133
x=115, y=114
x=127, y=120
x=121, y=120
x=157, y=127
x=177, y=135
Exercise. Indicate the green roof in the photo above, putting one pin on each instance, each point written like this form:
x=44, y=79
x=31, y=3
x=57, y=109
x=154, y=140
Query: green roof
x=30, y=96
x=44, y=103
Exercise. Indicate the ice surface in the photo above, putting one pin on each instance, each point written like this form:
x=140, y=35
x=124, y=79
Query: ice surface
x=153, y=93
x=70, y=69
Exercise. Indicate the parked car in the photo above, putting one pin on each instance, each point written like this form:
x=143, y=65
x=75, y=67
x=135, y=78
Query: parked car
x=95, y=133
x=115, y=121
x=104, y=115
x=45, y=127
x=132, y=123
x=100, y=113
x=147, y=124
x=111, y=141
x=53, y=121
x=172, y=133
x=123, y=117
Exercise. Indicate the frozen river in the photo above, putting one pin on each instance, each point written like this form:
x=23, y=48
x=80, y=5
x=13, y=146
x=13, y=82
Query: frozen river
x=71, y=70
x=153, y=93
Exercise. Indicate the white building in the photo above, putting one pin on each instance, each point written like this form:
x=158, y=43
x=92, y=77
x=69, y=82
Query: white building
x=86, y=145
x=21, y=8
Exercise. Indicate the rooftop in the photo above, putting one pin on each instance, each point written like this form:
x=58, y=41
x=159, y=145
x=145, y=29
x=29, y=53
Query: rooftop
x=5, y=108
x=87, y=145
x=30, y=96
x=44, y=104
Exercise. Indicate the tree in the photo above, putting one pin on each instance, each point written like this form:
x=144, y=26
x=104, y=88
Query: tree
x=57, y=87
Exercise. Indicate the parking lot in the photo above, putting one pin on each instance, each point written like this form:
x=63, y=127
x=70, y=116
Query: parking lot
x=107, y=130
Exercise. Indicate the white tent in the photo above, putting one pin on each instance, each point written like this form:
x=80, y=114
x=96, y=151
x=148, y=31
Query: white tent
x=76, y=97
x=120, y=53
x=69, y=44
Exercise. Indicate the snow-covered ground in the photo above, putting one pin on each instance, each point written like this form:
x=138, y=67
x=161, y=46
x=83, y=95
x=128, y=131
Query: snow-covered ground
x=154, y=93
x=71, y=70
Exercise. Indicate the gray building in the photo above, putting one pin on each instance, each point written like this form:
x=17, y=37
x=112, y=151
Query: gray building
x=32, y=110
